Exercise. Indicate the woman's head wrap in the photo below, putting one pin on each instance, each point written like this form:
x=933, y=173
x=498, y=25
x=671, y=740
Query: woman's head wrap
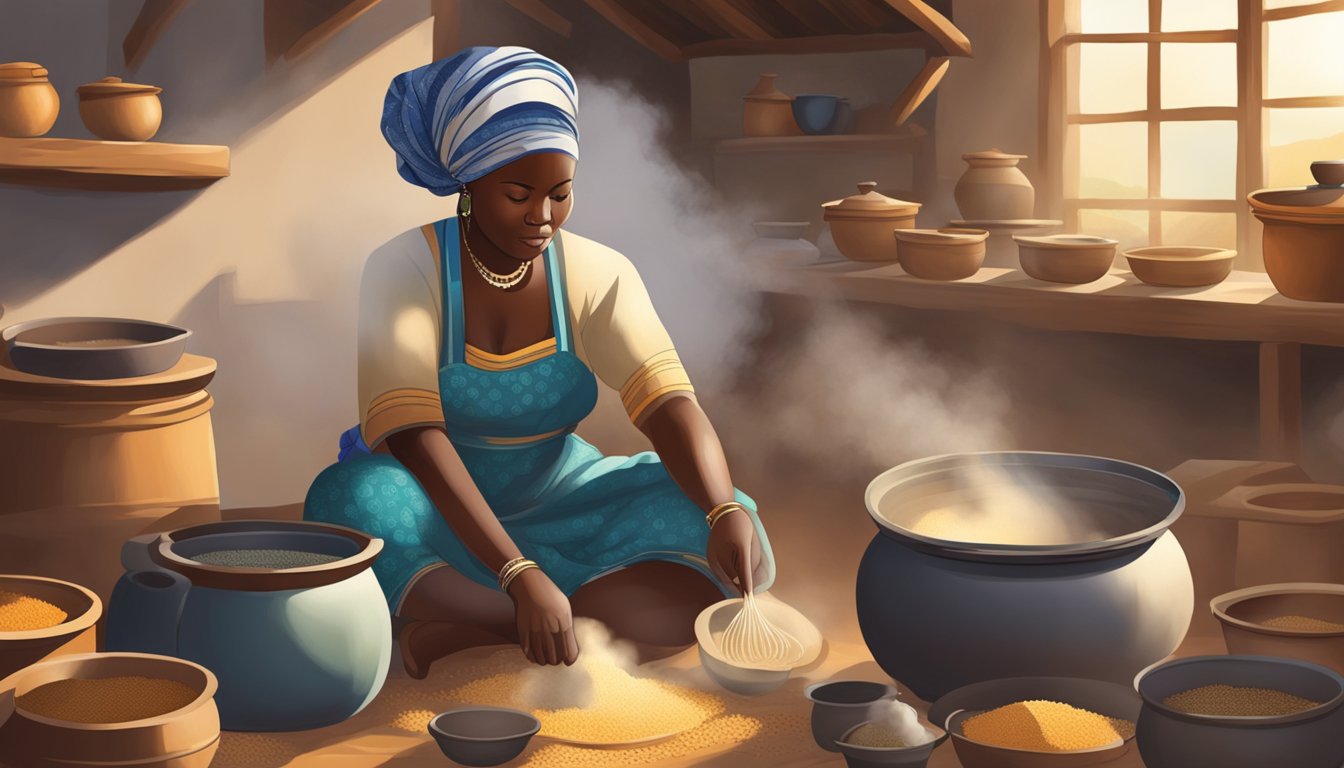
x=458, y=119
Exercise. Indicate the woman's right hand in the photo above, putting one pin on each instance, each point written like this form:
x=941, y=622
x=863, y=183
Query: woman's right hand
x=545, y=621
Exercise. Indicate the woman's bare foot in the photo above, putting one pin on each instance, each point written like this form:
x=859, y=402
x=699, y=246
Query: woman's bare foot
x=424, y=642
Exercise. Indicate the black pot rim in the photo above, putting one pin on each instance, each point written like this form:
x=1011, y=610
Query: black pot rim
x=1323, y=709
x=1032, y=553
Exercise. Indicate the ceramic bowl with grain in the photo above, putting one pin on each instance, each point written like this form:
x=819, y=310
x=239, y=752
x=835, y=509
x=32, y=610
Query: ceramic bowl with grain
x=1172, y=738
x=915, y=756
x=1297, y=621
x=838, y=706
x=1180, y=266
x=1073, y=259
x=1104, y=698
x=950, y=253
x=82, y=608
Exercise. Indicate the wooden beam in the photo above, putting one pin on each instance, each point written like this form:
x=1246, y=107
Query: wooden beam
x=447, y=27
x=732, y=20
x=149, y=26
x=809, y=14
x=1281, y=401
x=845, y=15
x=1211, y=36
x=919, y=89
x=615, y=13
x=1143, y=115
x=1154, y=127
x=543, y=14
x=1251, y=65
x=293, y=28
x=952, y=40
x=1304, y=101
x=874, y=18
x=803, y=45
x=1295, y=11
x=1157, y=204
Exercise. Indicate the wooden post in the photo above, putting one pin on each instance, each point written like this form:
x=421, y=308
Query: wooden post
x=1281, y=401
x=447, y=27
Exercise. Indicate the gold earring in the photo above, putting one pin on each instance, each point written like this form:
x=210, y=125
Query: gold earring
x=464, y=205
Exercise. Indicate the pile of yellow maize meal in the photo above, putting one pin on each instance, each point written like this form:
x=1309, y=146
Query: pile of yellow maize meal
x=1045, y=726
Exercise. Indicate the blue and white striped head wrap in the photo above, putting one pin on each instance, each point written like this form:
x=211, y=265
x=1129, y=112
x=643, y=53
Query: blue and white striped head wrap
x=458, y=119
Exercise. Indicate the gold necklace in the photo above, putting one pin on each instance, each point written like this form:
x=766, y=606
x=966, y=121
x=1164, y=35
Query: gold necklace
x=503, y=282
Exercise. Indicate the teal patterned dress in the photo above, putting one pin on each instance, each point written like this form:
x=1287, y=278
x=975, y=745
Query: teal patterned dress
x=580, y=515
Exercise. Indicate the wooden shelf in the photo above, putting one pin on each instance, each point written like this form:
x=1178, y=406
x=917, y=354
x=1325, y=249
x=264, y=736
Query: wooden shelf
x=1245, y=307
x=854, y=142
x=113, y=165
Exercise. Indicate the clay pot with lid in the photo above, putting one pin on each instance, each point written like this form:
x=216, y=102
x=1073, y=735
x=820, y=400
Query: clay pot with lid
x=768, y=111
x=862, y=224
x=295, y=647
x=1304, y=238
x=28, y=102
x=119, y=111
x=993, y=187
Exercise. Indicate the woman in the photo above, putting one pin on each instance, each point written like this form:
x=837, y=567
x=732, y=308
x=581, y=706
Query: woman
x=481, y=340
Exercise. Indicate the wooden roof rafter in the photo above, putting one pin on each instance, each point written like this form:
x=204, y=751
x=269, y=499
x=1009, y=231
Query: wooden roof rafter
x=953, y=41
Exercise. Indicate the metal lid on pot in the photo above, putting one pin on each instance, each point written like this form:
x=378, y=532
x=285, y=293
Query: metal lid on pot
x=113, y=86
x=21, y=72
x=869, y=204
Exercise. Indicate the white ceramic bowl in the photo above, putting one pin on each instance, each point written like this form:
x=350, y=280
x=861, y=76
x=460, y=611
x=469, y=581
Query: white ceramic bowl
x=745, y=679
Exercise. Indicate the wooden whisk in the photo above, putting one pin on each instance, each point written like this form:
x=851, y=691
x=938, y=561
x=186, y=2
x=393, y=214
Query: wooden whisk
x=750, y=638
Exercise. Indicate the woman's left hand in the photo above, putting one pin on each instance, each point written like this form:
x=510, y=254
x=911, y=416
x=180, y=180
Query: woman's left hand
x=734, y=552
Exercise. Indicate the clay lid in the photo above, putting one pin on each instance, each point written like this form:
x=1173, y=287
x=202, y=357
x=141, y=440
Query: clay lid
x=16, y=72
x=113, y=86
x=992, y=158
x=1318, y=204
x=869, y=204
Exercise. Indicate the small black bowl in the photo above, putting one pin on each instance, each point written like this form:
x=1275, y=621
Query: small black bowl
x=840, y=705
x=480, y=736
x=1309, y=739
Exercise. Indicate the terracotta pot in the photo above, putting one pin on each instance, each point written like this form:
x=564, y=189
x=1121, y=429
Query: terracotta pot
x=781, y=243
x=862, y=224
x=82, y=608
x=183, y=738
x=119, y=111
x=28, y=102
x=941, y=254
x=1180, y=266
x=1304, y=239
x=767, y=111
x=993, y=187
x=1074, y=259
x=1242, y=614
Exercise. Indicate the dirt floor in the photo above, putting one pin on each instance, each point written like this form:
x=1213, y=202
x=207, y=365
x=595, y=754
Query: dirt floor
x=818, y=535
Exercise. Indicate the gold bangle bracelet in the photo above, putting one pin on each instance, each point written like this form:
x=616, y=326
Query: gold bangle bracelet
x=722, y=509
x=526, y=566
x=508, y=568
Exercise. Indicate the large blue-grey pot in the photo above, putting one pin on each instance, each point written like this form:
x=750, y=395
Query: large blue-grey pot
x=293, y=649
x=1313, y=738
x=938, y=614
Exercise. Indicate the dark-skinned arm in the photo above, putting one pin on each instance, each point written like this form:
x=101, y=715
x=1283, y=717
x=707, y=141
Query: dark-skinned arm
x=545, y=623
x=689, y=447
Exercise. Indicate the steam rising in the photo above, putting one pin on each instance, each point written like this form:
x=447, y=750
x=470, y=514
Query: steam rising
x=563, y=687
x=899, y=720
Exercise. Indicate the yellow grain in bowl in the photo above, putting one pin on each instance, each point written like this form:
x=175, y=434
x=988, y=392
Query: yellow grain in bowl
x=1045, y=726
x=1233, y=701
x=1303, y=624
x=21, y=613
x=106, y=700
x=876, y=735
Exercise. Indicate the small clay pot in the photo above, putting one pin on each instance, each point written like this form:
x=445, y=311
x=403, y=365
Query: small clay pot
x=861, y=224
x=1328, y=172
x=119, y=111
x=1303, y=239
x=1243, y=614
x=28, y=102
x=993, y=187
x=767, y=111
